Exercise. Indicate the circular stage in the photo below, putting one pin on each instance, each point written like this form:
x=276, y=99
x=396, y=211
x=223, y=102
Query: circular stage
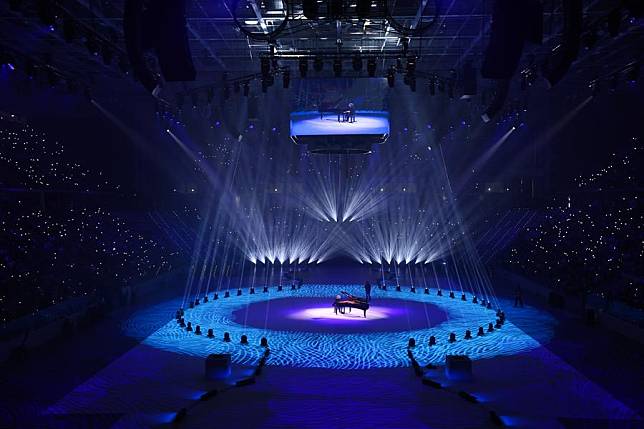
x=315, y=314
x=303, y=331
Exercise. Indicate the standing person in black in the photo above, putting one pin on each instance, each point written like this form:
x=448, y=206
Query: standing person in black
x=367, y=291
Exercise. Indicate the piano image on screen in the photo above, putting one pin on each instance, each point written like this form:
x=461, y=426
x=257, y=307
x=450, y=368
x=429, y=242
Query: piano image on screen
x=330, y=109
x=346, y=113
x=339, y=130
x=346, y=300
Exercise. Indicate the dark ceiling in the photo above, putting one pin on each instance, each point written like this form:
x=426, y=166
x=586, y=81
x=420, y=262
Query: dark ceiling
x=461, y=31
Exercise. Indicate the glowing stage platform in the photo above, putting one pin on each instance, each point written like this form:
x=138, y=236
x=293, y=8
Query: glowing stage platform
x=312, y=123
x=329, y=133
x=315, y=314
x=303, y=331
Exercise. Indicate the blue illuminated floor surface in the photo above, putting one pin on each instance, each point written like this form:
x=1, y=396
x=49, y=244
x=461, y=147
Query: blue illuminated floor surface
x=356, y=375
x=350, y=341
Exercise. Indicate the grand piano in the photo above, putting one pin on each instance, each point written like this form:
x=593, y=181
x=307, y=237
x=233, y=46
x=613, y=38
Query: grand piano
x=349, y=301
x=332, y=108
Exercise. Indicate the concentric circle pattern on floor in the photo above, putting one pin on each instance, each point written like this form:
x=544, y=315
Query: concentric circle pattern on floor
x=295, y=340
x=315, y=314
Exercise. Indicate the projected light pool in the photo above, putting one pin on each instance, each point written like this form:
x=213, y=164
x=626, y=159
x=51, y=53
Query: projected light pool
x=315, y=314
x=302, y=334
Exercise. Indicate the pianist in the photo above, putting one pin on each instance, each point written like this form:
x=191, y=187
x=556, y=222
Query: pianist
x=345, y=113
x=350, y=113
x=336, y=304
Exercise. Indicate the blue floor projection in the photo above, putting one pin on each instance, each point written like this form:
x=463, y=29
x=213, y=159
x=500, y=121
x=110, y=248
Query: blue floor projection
x=298, y=342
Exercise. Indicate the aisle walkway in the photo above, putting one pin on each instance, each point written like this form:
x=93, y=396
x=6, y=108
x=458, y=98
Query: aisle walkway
x=303, y=398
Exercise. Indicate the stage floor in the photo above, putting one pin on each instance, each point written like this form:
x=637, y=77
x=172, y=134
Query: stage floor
x=146, y=385
x=302, y=330
x=530, y=388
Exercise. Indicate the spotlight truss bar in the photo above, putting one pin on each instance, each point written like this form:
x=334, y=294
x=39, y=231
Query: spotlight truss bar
x=242, y=81
x=268, y=21
x=335, y=60
x=321, y=57
x=330, y=55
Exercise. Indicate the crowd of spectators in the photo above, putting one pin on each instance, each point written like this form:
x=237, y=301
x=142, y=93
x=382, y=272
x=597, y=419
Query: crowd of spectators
x=53, y=251
x=590, y=241
x=32, y=161
x=48, y=256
